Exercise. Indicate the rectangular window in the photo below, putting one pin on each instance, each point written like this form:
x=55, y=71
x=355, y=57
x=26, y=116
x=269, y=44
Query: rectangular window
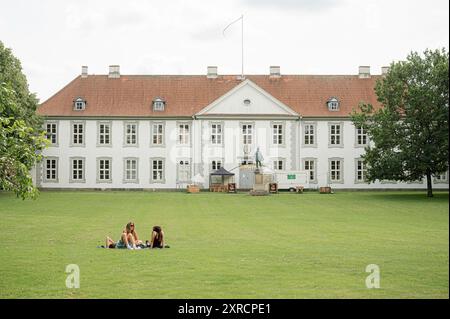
x=78, y=134
x=131, y=133
x=310, y=167
x=184, y=171
x=335, y=134
x=309, y=134
x=247, y=134
x=277, y=130
x=104, y=170
x=441, y=178
x=336, y=171
x=51, y=170
x=278, y=165
x=216, y=134
x=215, y=165
x=104, y=134
x=52, y=133
x=157, y=170
x=131, y=170
x=360, y=171
x=77, y=171
x=157, y=134
x=183, y=134
x=361, y=136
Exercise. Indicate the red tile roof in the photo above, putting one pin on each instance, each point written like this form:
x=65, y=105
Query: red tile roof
x=185, y=95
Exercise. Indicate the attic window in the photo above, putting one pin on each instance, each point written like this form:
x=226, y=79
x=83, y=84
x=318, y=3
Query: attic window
x=158, y=105
x=247, y=102
x=333, y=104
x=79, y=104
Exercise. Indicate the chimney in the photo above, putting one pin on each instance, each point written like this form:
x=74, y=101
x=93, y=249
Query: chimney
x=114, y=71
x=84, y=71
x=385, y=70
x=364, y=72
x=212, y=72
x=275, y=72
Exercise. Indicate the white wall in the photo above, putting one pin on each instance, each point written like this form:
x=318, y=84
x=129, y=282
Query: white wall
x=117, y=151
x=201, y=152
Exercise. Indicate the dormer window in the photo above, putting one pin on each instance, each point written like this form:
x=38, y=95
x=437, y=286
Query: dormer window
x=333, y=104
x=79, y=104
x=158, y=105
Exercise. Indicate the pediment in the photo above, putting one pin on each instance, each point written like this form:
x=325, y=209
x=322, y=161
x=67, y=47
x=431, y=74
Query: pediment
x=247, y=99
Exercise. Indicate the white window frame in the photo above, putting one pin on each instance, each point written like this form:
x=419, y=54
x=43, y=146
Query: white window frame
x=104, y=134
x=128, y=170
x=79, y=104
x=276, y=135
x=215, y=164
x=246, y=135
x=183, y=133
x=332, y=134
x=159, y=135
x=51, y=169
x=276, y=164
x=361, y=170
x=306, y=166
x=159, y=161
x=441, y=178
x=307, y=133
x=99, y=169
x=128, y=135
x=73, y=168
x=216, y=133
x=159, y=105
x=333, y=104
x=75, y=134
x=332, y=168
x=53, y=133
x=360, y=135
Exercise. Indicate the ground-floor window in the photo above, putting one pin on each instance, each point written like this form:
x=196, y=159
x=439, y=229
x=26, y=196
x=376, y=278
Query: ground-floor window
x=157, y=170
x=131, y=170
x=51, y=170
x=360, y=171
x=278, y=165
x=336, y=171
x=77, y=170
x=310, y=166
x=441, y=178
x=104, y=169
x=215, y=165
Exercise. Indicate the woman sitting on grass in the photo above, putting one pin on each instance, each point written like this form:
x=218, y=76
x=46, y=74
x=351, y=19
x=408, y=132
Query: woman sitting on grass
x=128, y=239
x=157, y=240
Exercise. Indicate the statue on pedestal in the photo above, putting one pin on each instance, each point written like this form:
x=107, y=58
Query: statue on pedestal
x=261, y=185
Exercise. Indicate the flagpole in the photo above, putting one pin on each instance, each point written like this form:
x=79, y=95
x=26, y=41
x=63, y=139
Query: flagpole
x=242, y=44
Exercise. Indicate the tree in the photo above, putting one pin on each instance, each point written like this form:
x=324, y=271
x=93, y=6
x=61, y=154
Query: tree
x=21, y=135
x=410, y=131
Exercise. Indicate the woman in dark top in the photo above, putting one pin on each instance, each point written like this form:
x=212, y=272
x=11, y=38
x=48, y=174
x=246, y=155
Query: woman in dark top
x=157, y=240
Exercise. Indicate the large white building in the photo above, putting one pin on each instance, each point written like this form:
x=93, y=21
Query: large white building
x=160, y=131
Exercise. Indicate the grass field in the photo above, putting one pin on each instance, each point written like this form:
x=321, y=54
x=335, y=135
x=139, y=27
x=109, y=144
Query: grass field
x=226, y=245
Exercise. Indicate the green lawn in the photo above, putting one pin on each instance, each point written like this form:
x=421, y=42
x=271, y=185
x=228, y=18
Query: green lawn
x=227, y=245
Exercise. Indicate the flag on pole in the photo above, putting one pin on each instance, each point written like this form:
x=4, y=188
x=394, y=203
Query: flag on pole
x=241, y=18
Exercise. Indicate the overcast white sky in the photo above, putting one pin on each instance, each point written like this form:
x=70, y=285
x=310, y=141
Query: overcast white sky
x=53, y=38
